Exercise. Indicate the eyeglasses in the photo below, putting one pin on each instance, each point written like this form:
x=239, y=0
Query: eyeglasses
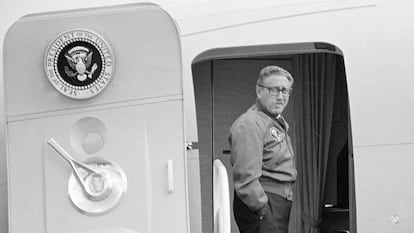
x=276, y=90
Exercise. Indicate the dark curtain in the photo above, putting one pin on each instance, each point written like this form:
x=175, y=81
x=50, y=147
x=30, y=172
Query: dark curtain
x=314, y=101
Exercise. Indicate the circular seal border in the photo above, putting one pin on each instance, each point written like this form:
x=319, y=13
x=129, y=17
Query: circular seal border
x=51, y=57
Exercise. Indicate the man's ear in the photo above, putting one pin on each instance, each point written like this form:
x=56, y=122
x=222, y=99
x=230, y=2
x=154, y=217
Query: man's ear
x=259, y=92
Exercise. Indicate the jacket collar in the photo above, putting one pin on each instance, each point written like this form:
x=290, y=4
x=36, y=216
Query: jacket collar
x=279, y=118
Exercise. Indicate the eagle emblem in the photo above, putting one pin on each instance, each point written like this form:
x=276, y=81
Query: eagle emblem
x=79, y=63
x=80, y=59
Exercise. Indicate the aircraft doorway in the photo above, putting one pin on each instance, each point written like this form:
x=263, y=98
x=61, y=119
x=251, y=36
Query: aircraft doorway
x=318, y=115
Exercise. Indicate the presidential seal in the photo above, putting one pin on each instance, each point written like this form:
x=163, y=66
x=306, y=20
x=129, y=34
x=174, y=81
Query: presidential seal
x=79, y=63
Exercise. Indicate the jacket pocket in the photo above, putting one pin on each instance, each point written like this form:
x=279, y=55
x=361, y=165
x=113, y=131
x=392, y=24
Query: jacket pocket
x=274, y=154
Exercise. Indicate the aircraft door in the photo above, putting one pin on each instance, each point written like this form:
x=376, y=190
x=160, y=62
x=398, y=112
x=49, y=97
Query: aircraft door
x=95, y=129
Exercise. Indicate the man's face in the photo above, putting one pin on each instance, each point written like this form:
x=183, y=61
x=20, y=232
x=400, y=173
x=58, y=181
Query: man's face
x=274, y=93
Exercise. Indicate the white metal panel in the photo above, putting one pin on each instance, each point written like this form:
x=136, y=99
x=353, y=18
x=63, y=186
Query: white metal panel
x=210, y=16
x=384, y=180
x=138, y=118
x=138, y=139
x=145, y=56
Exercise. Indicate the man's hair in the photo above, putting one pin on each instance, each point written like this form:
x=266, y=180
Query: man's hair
x=273, y=70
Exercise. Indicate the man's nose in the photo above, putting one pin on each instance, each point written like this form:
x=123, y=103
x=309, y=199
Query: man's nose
x=279, y=95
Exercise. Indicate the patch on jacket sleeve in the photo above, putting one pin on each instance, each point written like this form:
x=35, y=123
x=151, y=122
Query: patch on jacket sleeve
x=276, y=134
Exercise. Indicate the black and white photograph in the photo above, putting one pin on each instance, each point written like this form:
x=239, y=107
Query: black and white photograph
x=207, y=116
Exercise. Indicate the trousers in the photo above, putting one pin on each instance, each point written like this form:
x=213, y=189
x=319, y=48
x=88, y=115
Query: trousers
x=275, y=221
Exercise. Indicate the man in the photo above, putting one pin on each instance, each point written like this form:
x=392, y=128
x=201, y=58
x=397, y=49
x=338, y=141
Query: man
x=262, y=158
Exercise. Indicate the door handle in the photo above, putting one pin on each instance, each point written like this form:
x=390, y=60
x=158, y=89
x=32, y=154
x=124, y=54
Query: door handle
x=170, y=176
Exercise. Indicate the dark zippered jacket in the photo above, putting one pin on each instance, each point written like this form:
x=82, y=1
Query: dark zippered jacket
x=262, y=158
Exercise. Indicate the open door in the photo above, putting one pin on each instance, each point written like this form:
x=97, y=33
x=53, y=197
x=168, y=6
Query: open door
x=95, y=125
x=224, y=84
